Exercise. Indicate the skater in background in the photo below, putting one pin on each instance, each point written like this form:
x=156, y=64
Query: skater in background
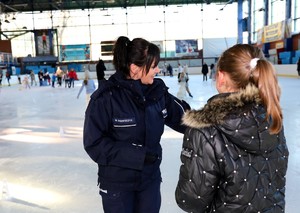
x=72, y=76
x=183, y=84
x=180, y=70
x=25, y=82
x=7, y=75
x=53, y=79
x=204, y=71
x=187, y=78
x=100, y=68
x=89, y=86
x=181, y=94
x=47, y=78
x=19, y=79
x=32, y=78
x=298, y=67
x=59, y=74
x=40, y=76
x=212, y=72
x=170, y=70
x=164, y=69
x=1, y=76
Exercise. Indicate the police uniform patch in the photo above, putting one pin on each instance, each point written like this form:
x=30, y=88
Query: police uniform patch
x=124, y=122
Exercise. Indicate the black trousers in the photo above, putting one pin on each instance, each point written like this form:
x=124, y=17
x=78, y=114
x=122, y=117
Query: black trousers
x=147, y=200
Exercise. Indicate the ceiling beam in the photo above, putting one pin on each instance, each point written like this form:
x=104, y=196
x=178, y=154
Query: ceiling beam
x=48, y=5
x=9, y=7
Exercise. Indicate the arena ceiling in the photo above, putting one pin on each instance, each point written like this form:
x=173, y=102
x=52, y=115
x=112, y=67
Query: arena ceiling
x=11, y=6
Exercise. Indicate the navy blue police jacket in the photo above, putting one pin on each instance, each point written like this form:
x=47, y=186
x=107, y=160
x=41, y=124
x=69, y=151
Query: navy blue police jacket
x=123, y=125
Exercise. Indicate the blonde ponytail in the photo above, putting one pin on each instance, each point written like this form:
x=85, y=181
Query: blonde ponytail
x=246, y=64
x=269, y=91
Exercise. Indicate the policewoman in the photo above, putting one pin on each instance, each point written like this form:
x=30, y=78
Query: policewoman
x=123, y=126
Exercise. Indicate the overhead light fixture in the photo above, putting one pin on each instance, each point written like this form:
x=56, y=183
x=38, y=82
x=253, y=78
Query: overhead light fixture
x=229, y=2
x=13, y=16
x=6, y=20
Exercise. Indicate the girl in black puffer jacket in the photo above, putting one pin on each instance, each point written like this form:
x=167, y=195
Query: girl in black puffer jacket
x=234, y=156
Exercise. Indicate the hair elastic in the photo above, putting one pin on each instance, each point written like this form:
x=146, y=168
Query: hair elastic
x=253, y=63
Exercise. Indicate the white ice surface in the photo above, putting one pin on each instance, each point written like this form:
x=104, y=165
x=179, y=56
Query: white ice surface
x=44, y=168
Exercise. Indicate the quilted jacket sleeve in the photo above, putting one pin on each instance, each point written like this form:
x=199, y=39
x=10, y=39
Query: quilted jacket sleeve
x=199, y=172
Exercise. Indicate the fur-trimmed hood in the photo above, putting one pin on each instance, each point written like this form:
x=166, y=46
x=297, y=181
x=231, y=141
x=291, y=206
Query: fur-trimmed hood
x=239, y=116
x=220, y=106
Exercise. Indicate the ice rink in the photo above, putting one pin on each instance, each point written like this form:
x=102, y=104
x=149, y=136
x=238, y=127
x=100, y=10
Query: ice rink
x=44, y=168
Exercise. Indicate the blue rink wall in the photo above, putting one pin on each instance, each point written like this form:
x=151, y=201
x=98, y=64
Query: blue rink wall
x=288, y=70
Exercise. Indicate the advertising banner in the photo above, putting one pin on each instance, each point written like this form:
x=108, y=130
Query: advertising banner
x=277, y=31
x=186, y=48
x=43, y=42
x=77, y=52
x=274, y=32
